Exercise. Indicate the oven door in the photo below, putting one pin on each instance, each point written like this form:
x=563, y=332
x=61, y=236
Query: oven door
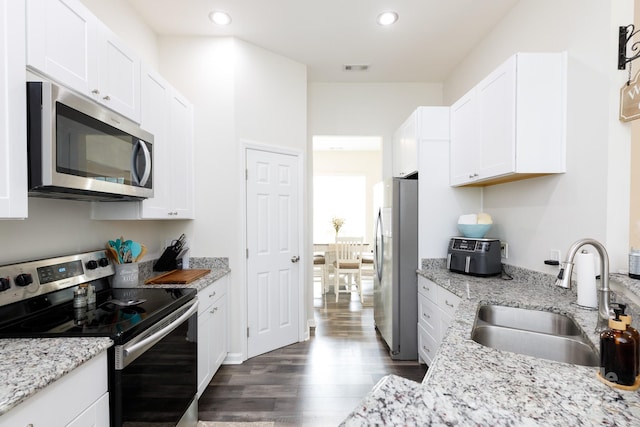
x=154, y=380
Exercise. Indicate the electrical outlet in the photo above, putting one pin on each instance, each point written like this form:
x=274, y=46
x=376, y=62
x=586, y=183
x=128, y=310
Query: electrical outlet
x=504, y=250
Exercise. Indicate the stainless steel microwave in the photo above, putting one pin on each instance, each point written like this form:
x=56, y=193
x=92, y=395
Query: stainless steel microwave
x=80, y=150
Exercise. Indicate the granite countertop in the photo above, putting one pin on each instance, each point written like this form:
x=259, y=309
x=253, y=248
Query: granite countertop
x=29, y=365
x=470, y=384
x=219, y=268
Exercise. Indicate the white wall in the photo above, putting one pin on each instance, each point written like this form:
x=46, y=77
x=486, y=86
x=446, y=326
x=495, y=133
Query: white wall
x=241, y=93
x=591, y=199
x=357, y=109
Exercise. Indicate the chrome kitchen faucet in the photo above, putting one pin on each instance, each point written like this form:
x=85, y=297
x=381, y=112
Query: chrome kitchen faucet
x=604, y=293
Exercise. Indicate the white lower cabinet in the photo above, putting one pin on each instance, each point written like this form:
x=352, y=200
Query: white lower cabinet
x=79, y=399
x=436, y=307
x=212, y=330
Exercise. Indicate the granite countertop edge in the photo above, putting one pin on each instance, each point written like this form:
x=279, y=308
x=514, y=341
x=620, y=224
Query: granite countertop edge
x=468, y=383
x=31, y=364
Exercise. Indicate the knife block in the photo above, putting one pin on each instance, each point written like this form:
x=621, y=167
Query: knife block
x=168, y=260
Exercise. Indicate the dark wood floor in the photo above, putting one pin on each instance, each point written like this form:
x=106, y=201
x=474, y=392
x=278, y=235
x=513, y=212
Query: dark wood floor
x=312, y=383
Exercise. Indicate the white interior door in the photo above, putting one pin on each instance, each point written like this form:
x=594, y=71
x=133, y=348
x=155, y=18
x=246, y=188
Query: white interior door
x=273, y=279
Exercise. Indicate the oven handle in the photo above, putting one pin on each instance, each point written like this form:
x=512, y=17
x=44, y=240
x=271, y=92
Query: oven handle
x=157, y=336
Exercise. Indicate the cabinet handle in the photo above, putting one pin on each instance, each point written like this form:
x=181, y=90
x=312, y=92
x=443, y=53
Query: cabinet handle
x=212, y=294
x=106, y=98
x=426, y=348
x=426, y=289
x=95, y=92
x=426, y=315
x=447, y=303
x=473, y=175
x=213, y=310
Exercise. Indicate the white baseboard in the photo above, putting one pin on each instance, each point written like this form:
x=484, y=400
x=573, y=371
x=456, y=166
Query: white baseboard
x=233, y=359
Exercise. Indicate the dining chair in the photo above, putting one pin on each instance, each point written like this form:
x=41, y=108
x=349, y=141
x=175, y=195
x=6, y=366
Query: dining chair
x=319, y=266
x=348, y=263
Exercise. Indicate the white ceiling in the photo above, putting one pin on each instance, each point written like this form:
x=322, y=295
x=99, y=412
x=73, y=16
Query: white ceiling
x=428, y=41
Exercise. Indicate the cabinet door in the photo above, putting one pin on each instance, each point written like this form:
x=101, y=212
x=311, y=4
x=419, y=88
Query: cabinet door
x=181, y=142
x=496, y=100
x=60, y=36
x=427, y=345
x=13, y=121
x=405, y=147
x=218, y=333
x=118, y=82
x=204, y=350
x=465, y=148
x=97, y=415
x=154, y=117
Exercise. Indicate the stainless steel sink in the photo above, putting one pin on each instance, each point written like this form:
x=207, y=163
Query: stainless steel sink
x=533, y=332
x=544, y=322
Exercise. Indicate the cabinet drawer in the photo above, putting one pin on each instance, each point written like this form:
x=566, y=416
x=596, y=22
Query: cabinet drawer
x=427, y=288
x=447, y=301
x=212, y=293
x=428, y=315
x=427, y=345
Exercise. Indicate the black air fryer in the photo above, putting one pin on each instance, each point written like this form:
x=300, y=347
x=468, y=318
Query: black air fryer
x=476, y=257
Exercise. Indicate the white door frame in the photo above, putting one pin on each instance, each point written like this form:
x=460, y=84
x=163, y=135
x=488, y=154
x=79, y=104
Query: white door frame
x=303, y=330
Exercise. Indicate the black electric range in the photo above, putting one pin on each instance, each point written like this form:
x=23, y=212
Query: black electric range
x=38, y=300
x=152, y=366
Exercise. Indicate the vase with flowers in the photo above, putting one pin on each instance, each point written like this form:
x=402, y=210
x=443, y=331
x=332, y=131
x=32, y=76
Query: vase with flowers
x=337, y=224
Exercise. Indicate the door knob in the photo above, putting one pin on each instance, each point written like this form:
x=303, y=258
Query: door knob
x=295, y=258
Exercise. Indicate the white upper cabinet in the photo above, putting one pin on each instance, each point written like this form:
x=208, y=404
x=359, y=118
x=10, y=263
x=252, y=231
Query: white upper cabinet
x=169, y=117
x=67, y=43
x=511, y=125
x=425, y=123
x=13, y=119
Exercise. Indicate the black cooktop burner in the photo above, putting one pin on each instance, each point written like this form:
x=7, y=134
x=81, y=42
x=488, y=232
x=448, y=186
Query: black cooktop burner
x=118, y=314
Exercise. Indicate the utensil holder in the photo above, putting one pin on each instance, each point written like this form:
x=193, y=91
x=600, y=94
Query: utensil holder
x=126, y=275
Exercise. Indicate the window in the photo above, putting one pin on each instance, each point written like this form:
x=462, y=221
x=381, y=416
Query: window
x=340, y=196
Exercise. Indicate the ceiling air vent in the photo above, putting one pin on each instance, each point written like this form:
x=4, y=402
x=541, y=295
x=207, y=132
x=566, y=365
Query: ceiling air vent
x=355, y=67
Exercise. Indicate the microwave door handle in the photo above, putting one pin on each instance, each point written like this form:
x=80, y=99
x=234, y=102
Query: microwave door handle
x=147, y=162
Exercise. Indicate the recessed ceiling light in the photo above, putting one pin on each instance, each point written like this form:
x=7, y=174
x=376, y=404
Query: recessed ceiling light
x=220, y=18
x=387, y=18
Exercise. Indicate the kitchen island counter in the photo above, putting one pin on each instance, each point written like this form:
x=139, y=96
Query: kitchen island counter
x=471, y=384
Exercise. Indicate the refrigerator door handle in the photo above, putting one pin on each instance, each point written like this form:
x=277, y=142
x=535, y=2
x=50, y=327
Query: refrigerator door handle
x=378, y=246
x=448, y=261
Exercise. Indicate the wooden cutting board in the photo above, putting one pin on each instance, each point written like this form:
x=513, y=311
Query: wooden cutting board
x=181, y=277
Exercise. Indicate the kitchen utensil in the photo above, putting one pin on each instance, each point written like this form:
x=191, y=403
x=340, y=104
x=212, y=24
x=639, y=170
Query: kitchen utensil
x=113, y=254
x=135, y=250
x=143, y=252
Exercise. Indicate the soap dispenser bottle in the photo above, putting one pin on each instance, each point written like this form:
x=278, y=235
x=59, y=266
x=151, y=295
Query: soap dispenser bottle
x=626, y=318
x=618, y=353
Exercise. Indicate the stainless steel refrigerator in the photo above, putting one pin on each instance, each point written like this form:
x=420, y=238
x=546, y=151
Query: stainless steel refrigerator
x=395, y=287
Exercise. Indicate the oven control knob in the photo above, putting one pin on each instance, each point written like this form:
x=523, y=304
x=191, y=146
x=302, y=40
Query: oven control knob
x=92, y=265
x=4, y=283
x=103, y=262
x=24, y=279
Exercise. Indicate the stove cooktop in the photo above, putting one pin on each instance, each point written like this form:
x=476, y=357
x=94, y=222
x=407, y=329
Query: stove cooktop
x=29, y=311
x=118, y=314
